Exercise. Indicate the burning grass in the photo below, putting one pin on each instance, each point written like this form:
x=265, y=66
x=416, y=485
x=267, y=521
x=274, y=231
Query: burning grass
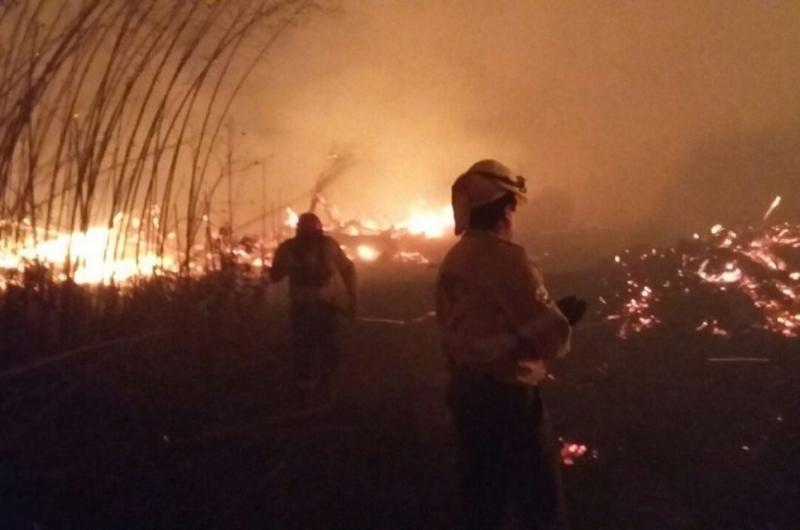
x=725, y=283
x=88, y=258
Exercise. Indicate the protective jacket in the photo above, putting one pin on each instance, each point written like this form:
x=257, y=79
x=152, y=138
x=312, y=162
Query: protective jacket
x=318, y=271
x=493, y=309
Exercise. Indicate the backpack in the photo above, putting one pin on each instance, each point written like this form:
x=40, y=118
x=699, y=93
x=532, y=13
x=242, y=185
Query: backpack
x=312, y=264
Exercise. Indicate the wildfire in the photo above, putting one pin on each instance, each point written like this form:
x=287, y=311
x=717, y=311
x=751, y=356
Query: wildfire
x=752, y=265
x=430, y=224
x=367, y=253
x=422, y=223
x=95, y=256
x=759, y=266
x=90, y=253
x=773, y=293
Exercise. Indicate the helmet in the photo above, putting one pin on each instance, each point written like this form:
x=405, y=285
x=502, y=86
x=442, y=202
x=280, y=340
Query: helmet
x=485, y=181
x=308, y=224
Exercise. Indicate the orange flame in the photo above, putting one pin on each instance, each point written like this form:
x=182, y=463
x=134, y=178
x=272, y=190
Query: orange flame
x=367, y=253
x=90, y=251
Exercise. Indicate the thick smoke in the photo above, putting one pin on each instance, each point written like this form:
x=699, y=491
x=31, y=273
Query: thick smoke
x=644, y=118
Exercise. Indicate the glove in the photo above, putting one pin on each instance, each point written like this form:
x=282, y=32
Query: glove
x=531, y=372
x=573, y=308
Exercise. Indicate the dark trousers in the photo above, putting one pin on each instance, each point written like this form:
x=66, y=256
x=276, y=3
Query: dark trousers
x=507, y=455
x=316, y=336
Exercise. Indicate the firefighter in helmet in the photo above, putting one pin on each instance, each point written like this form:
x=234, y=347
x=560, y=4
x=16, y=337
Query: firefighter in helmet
x=322, y=290
x=498, y=328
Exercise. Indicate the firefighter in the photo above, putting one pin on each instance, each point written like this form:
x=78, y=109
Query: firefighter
x=322, y=290
x=498, y=328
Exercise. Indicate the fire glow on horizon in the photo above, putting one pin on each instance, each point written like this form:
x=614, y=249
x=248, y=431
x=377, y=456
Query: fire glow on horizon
x=428, y=223
x=421, y=223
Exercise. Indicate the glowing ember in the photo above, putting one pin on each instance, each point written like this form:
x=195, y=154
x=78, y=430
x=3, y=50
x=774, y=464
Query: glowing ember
x=411, y=257
x=572, y=452
x=713, y=327
x=730, y=274
x=775, y=204
x=751, y=265
x=637, y=313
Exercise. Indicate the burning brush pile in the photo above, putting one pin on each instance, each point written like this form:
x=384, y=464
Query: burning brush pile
x=415, y=239
x=726, y=283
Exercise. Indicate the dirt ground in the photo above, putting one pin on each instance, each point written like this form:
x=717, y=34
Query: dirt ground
x=202, y=428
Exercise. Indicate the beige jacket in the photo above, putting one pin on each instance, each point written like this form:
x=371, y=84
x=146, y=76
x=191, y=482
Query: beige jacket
x=493, y=309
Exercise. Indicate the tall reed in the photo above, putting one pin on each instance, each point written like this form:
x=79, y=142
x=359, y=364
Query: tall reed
x=112, y=107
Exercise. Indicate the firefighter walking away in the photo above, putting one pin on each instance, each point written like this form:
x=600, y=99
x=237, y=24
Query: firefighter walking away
x=322, y=291
x=499, y=327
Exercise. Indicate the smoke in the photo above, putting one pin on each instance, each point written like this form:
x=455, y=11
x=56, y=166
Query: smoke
x=646, y=118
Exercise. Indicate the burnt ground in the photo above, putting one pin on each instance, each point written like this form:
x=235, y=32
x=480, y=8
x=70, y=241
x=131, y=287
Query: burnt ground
x=201, y=428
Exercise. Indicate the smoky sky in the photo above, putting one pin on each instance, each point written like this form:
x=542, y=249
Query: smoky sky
x=627, y=115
